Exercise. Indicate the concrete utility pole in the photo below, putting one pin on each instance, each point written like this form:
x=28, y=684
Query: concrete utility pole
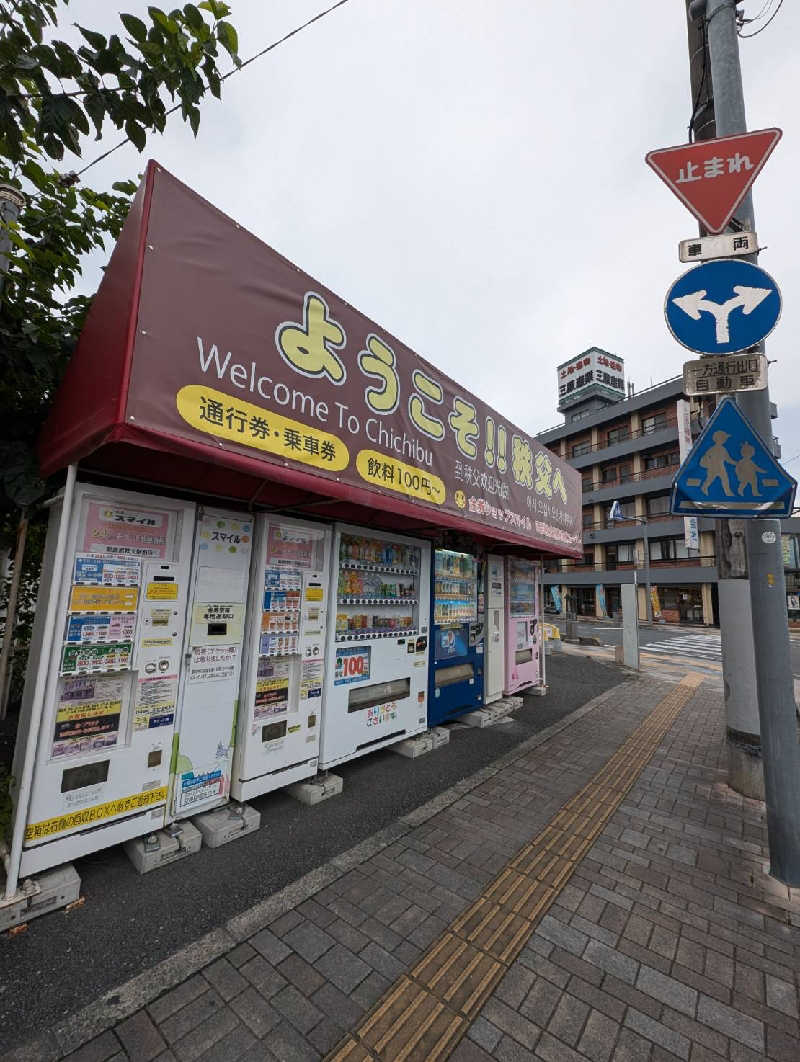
x=743, y=731
x=12, y=202
x=774, y=681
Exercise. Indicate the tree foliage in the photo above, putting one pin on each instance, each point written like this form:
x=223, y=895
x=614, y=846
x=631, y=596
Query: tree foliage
x=53, y=98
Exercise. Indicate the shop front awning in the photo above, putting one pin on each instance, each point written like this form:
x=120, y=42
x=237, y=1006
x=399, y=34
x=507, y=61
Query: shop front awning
x=209, y=363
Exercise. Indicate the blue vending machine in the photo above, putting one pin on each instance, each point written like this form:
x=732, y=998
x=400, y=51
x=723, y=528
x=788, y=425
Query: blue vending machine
x=456, y=650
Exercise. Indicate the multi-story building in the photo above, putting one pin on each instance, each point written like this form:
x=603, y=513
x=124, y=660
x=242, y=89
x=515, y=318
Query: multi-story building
x=626, y=446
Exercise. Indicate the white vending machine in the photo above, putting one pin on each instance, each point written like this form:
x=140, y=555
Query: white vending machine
x=212, y=659
x=495, y=668
x=376, y=670
x=284, y=658
x=105, y=738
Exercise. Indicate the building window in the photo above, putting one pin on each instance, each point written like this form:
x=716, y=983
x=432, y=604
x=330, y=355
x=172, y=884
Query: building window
x=579, y=449
x=609, y=474
x=625, y=552
x=618, y=435
x=653, y=423
x=588, y=518
x=655, y=461
x=587, y=483
x=668, y=549
x=625, y=472
x=658, y=505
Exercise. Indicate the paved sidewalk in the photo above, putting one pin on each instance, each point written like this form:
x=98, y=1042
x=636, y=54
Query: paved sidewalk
x=576, y=900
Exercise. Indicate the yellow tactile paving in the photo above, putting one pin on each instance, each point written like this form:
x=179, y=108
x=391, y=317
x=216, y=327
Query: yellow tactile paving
x=424, y=1015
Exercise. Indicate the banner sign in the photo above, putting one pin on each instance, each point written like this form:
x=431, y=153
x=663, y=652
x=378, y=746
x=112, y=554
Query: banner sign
x=239, y=350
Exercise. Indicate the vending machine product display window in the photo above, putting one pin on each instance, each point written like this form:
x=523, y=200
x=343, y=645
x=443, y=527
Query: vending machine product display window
x=103, y=758
x=376, y=670
x=523, y=624
x=284, y=660
x=457, y=657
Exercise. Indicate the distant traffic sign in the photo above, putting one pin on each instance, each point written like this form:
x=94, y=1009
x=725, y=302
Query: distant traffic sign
x=722, y=307
x=728, y=245
x=712, y=177
x=734, y=372
x=730, y=472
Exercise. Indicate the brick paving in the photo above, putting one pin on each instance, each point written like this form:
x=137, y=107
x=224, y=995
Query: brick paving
x=668, y=941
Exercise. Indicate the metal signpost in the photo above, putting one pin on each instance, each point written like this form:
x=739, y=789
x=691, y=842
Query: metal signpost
x=721, y=318
x=722, y=307
x=741, y=372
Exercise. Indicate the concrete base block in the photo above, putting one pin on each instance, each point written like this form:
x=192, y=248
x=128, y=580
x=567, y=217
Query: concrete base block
x=39, y=895
x=315, y=790
x=163, y=847
x=432, y=739
x=746, y=770
x=537, y=691
x=492, y=713
x=228, y=823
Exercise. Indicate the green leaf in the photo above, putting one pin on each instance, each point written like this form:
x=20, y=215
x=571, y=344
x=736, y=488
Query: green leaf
x=228, y=38
x=135, y=27
x=97, y=40
x=35, y=174
x=163, y=20
x=194, y=119
x=193, y=17
x=217, y=9
x=95, y=106
x=26, y=62
x=125, y=187
x=53, y=146
x=136, y=133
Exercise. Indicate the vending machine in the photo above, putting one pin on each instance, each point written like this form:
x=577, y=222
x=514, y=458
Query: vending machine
x=495, y=641
x=283, y=670
x=210, y=682
x=523, y=624
x=377, y=658
x=103, y=755
x=457, y=656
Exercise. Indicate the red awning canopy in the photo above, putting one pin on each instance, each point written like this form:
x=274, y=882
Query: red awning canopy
x=209, y=363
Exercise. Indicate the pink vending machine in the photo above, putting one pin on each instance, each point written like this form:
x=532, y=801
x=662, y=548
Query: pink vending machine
x=523, y=625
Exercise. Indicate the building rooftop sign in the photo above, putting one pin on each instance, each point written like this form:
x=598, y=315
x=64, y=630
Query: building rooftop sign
x=594, y=372
x=205, y=345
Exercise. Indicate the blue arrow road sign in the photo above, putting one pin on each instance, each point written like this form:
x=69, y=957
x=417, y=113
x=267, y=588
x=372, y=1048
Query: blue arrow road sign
x=722, y=307
x=730, y=472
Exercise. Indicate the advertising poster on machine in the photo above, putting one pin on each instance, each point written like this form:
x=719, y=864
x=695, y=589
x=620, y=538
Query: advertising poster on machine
x=284, y=373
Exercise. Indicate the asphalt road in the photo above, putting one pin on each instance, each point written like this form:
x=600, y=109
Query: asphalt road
x=705, y=639
x=129, y=923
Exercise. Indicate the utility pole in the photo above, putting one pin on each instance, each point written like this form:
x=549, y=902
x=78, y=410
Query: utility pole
x=774, y=681
x=742, y=730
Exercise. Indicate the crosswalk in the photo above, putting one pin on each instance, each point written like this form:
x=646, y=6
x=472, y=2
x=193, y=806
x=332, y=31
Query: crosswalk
x=696, y=646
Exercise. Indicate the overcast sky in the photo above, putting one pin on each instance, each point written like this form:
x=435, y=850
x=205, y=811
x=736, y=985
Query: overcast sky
x=471, y=176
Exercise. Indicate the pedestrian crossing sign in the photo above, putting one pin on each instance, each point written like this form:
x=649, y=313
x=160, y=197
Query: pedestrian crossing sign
x=730, y=472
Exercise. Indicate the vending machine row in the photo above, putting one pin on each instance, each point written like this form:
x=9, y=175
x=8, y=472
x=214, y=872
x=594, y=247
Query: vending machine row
x=201, y=654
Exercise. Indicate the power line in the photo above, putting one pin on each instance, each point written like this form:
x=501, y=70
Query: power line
x=236, y=69
x=747, y=36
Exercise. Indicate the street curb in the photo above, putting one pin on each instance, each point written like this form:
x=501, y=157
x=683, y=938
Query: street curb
x=121, y=1002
